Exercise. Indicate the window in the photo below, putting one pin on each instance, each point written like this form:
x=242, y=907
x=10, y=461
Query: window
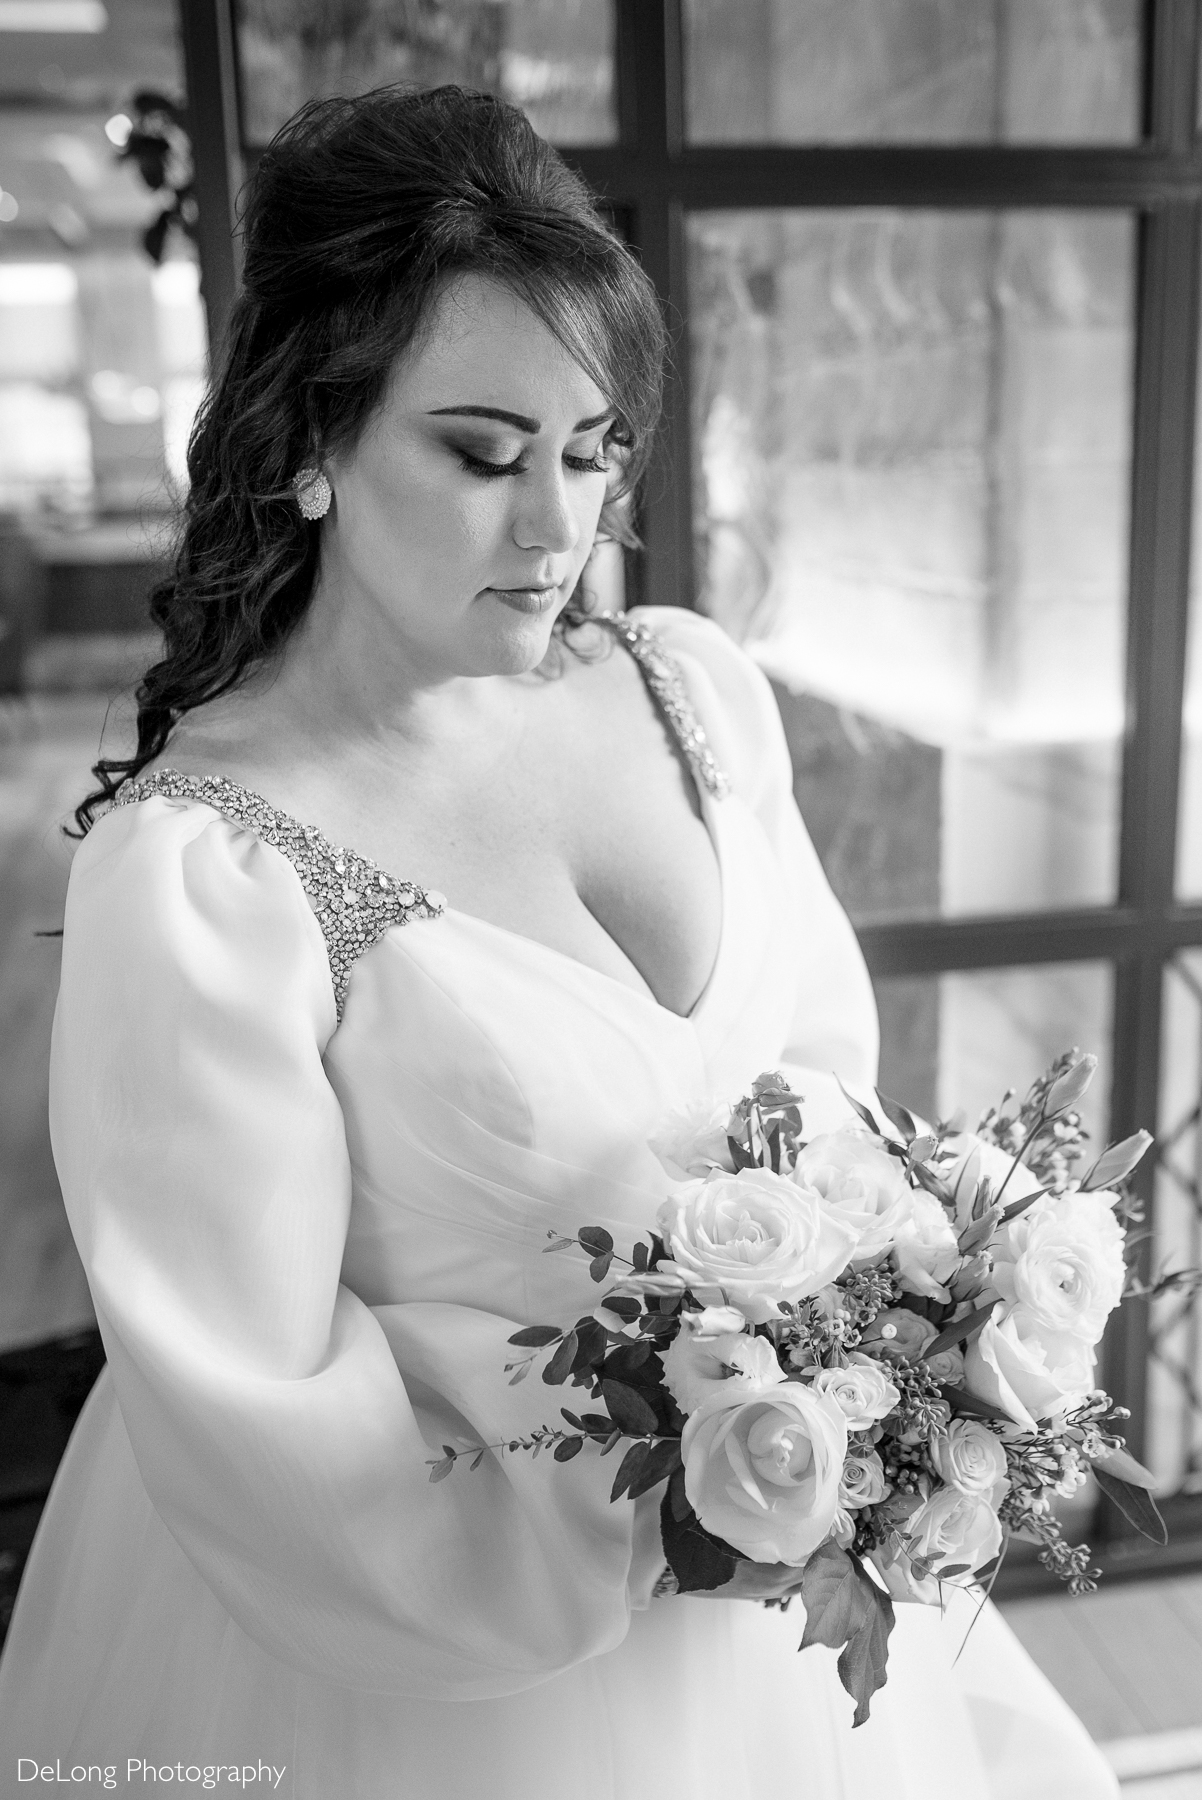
x=928, y=451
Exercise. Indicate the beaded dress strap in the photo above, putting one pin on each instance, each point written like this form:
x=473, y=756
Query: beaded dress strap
x=662, y=674
x=354, y=900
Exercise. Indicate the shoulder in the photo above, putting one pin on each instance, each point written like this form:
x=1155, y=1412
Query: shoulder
x=732, y=695
x=168, y=883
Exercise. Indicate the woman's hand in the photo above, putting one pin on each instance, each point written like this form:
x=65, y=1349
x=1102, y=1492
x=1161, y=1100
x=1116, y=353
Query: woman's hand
x=755, y=1581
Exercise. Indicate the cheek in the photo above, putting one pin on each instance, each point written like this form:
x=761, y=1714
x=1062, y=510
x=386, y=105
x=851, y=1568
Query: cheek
x=421, y=507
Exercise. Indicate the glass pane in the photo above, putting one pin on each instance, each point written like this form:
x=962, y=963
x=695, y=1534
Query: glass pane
x=553, y=57
x=1189, y=797
x=1175, y=1350
x=960, y=1040
x=913, y=71
x=912, y=444
x=101, y=352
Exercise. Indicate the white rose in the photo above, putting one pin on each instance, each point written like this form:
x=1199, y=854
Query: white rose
x=714, y=1321
x=692, y=1140
x=1030, y=1376
x=969, y=1457
x=863, y=1391
x=694, y=1365
x=860, y=1182
x=925, y=1248
x=1062, y=1262
x=976, y=1162
x=843, y=1530
x=863, y=1480
x=754, y=1239
x=952, y=1528
x=762, y=1468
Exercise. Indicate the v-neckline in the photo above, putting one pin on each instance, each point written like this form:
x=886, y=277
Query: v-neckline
x=648, y=998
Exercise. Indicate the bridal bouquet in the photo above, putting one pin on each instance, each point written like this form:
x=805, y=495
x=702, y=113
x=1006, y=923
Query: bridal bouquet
x=867, y=1356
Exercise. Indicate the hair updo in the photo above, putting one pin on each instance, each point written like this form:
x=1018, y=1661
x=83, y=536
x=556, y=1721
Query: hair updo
x=356, y=216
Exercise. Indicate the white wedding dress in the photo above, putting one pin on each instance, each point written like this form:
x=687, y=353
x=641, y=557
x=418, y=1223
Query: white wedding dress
x=309, y=1238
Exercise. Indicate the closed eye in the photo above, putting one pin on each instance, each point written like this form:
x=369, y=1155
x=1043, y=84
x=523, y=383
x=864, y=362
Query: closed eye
x=476, y=465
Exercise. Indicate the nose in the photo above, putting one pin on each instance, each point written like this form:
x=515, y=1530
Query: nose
x=544, y=519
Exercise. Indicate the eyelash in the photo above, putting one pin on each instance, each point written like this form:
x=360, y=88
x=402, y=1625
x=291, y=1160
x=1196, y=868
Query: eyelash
x=476, y=466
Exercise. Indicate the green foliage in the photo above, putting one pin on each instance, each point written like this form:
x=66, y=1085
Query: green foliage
x=846, y=1610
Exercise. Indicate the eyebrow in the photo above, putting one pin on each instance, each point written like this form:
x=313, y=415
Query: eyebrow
x=533, y=426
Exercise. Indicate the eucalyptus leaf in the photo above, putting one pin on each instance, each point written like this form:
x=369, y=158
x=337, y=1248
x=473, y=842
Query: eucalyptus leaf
x=596, y=1239
x=567, y=1448
x=442, y=1469
x=627, y=1408
x=629, y=1468
x=971, y=1405
x=533, y=1337
x=600, y=1265
x=560, y=1365
x=662, y=1461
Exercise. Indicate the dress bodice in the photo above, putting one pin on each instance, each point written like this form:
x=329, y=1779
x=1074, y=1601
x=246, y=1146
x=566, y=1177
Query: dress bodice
x=310, y=1228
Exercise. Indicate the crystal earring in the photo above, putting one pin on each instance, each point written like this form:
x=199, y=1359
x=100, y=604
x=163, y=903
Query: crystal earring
x=313, y=493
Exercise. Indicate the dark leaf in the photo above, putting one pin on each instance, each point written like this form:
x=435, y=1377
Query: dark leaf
x=846, y=1610
x=1135, y=1504
x=560, y=1365
x=739, y=1156
x=614, y=1438
x=963, y=1328
x=567, y=1448
x=897, y=1115
x=596, y=1424
x=1124, y=1466
x=961, y=1401
x=628, y=1409
x=535, y=1336
x=600, y=1265
x=676, y=1497
x=639, y=1257
x=477, y=1459
x=934, y=1184
x=442, y=1469
x=858, y=1106
x=699, y=1561
x=659, y=1250
x=591, y=1344
x=626, y=1308
x=1020, y=1206
x=774, y=1149
x=625, y=1360
x=628, y=1469
x=596, y=1239
x=663, y=1460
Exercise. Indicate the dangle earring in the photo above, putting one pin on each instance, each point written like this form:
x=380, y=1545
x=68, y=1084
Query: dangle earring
x=313, y=493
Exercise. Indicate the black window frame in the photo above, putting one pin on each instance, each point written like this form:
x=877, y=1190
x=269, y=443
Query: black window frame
x=652, y=178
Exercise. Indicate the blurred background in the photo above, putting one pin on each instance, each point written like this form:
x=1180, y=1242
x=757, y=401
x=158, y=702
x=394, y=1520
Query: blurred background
x=929, y=453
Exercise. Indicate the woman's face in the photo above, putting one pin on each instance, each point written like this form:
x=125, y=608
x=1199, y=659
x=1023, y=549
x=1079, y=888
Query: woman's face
x=464, y=514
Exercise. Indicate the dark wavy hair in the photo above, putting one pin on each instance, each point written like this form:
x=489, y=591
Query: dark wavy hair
x=357, y=215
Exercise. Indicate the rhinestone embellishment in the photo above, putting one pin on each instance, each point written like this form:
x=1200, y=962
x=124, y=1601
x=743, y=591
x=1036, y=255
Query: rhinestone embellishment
x=662, y=675
x=354, y=901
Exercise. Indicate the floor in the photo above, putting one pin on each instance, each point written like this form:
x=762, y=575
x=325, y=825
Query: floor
x=1128, y=1660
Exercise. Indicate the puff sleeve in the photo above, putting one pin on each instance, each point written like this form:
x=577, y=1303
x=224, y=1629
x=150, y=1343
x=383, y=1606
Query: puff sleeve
x=282, y=1427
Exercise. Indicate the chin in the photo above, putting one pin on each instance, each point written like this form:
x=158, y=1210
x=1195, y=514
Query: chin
x=515, y=645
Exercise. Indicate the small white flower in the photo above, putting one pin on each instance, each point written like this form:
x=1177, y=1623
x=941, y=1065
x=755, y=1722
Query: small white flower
x=692, y=1140
x=863, y=1391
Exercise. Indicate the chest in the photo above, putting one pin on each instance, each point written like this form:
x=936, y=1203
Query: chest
x=591, y=842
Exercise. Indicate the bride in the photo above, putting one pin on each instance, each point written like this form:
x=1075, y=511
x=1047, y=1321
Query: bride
x=314, y=1121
